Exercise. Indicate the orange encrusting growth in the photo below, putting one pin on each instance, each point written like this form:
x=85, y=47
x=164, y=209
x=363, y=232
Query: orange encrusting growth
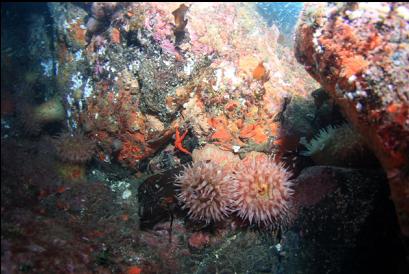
x=254, y=132
x=134, y=270
x=223, y=135
x=78, y=33
x=115, y=36
x=353, y=65
x=260, y=72
x=357, y=48
x=347, y=50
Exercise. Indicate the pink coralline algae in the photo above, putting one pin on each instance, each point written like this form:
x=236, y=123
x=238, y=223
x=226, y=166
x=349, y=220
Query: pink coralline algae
x=168, y=47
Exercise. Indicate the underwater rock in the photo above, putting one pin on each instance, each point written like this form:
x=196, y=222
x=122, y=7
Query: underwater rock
x=164, y=246
x=340, y=214
x=242, y=252
x=153, y=86
x=54, y=226
x=211, y=152
x=312, y=185
x=158, y=81
x=301, y=117
x=359, y=54
x=132, y=80
x=157, y=198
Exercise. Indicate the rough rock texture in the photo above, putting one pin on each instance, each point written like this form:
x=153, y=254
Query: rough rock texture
x=359, y=54
x=339, y=223
x=132, y=76
x=152, y=67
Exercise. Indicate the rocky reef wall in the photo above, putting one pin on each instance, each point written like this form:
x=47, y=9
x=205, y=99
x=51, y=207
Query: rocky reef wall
x=359, y=53
x=133, y=74
x=186, y=138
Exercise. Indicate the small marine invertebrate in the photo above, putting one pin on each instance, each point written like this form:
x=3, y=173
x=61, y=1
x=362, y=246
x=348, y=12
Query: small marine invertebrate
x=115, y=36
x=73, y=151
x=179, y=140
x=262, y=192
x=260, y=72
x=74, y=148
x=134, y=270
x=206, y=190
x=335, y=145
x=199, y=240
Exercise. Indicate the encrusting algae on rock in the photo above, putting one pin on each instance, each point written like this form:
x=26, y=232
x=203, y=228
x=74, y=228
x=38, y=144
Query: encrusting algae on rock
x=363, y=67
x=152, y=137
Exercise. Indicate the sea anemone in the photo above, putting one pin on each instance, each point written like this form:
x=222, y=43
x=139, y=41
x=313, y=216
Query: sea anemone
x=335, y=145
x=50, y=112
x=206, y=190
x=74, y=148
x=263, y=192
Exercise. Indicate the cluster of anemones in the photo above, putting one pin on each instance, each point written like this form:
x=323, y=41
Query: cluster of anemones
x=256, y=189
